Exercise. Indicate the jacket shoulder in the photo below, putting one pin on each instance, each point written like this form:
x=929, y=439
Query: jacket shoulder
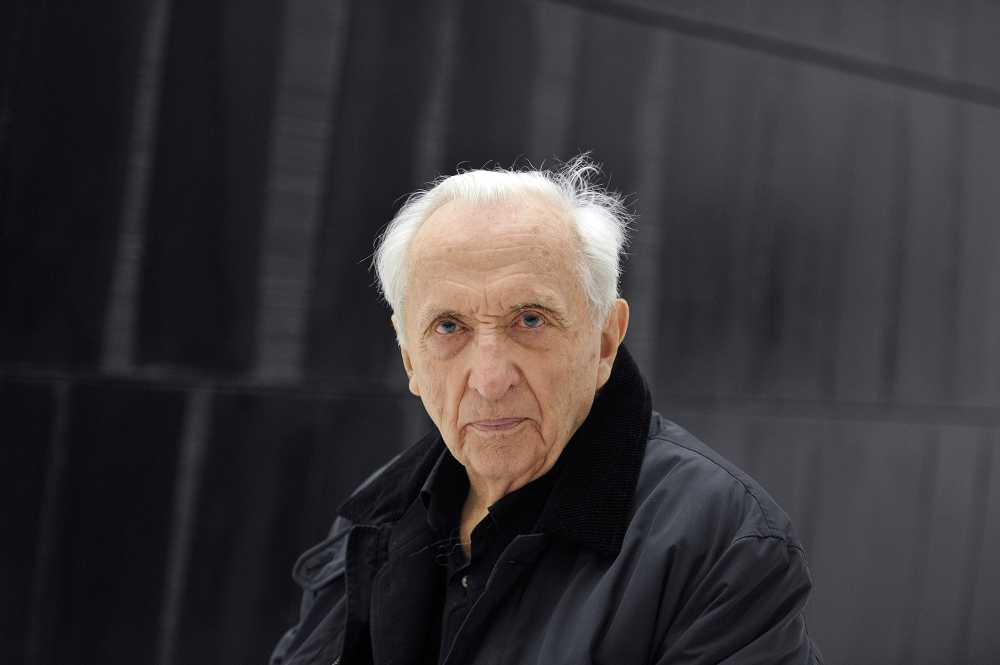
x=387, y=493
x=681, y=471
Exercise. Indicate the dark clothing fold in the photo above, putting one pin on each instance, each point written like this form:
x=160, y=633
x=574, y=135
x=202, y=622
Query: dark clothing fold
x=641, y=546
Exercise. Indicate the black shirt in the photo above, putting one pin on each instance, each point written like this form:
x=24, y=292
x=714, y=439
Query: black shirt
x=463, y=581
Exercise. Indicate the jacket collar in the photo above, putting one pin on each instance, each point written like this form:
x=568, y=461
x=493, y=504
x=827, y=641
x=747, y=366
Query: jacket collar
x=592, y=499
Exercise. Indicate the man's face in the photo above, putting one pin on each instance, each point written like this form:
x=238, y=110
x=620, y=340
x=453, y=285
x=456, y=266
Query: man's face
x=500, y=343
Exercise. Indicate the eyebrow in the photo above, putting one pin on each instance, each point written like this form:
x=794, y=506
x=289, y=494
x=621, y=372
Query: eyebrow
x=553, y=311
x=430, y=314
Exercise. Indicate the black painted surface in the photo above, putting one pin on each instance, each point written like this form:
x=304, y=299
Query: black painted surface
x=207, y=195
x=954, y=40
x=113, y=525
x=609, y=83
x=488, y=122
x=389, y=57
x=65, y=131
x=276, y=470
x=27, y=414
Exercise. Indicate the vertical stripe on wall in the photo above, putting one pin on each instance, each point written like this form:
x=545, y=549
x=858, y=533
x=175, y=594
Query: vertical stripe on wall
x=41, y=596
x=652, y=121
x=315, y=34
x=953, y=275
x=900, y=215
x=929, y=463
x=194, y=438
x=558, y=32
x=119, y=325
x=432, y=128
x=757, y=288
x=973, y=553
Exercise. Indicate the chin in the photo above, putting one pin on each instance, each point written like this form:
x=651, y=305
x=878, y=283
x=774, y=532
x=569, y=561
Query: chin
x=499, y=459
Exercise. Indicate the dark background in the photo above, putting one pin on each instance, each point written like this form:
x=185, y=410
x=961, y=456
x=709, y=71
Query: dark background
x=195, y=368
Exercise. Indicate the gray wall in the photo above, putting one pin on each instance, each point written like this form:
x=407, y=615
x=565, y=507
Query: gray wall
x=195, y=368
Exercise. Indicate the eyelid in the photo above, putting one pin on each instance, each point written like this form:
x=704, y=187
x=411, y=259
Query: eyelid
x=524, y=312
x=444, y=319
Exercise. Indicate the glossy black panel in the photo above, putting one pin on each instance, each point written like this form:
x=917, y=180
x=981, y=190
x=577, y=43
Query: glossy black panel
x=489, y=119
x=207, y=196
x=64, y=135
x=27, y=417
x=114, y=518
x=606, y=104
x=388, y=63
x=275, y=472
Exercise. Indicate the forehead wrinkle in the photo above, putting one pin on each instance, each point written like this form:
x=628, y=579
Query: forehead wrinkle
x=515, y=237
x=478, y=260
x=518, y=297
x=483, y=281
x=433, y=308
x=511, y=298
x=492, y=259
x=542, y=276
x=464, y=256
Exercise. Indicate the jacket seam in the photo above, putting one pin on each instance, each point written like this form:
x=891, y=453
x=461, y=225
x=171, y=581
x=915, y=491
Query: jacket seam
x=768, y=537
x=773, y=531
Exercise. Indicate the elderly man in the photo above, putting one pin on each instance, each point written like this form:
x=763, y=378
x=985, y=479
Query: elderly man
x=551, y=516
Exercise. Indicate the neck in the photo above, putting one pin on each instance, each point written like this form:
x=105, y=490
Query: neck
x=484, y=492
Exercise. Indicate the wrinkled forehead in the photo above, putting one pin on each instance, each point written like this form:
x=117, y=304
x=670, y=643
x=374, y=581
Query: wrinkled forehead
x=509, y=248
x=530, y=224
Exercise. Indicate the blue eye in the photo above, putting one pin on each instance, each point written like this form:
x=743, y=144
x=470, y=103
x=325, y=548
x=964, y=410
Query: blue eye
x=447, y=327
x=531, y=320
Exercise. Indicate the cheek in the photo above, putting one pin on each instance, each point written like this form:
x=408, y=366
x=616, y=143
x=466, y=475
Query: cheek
x=444, y=347
x=439, y=390
x=578, y=373
x=567, y=380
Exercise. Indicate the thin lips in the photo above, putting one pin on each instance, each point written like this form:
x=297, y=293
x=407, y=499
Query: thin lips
x=497, y=423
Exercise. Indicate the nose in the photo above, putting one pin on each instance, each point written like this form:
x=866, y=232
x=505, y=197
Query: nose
x=493, y=370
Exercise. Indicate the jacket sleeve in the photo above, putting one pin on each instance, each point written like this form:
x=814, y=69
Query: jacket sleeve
x=748, y=608
x=280, y=652
x=316, y=571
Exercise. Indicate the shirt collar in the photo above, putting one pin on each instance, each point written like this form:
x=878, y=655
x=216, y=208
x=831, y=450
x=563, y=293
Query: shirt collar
x=443, y=495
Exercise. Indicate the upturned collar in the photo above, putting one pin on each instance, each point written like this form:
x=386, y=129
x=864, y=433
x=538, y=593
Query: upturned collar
x=592, y=499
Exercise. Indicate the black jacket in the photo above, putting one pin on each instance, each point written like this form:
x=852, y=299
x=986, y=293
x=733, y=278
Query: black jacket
x=651, y=549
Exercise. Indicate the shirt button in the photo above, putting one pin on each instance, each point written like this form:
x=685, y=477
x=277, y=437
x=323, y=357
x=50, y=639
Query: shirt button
x=465, y=581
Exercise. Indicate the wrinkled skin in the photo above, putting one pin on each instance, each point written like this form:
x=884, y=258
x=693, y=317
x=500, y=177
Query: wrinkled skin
x=500, y=343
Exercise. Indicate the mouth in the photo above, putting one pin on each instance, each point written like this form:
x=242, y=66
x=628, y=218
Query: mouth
x=497, y=424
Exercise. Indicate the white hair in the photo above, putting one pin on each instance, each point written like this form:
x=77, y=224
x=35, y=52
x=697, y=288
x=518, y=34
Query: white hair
x=598, y=217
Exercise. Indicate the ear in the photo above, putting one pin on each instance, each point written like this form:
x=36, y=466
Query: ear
x=407, y=364
x=611, y=338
